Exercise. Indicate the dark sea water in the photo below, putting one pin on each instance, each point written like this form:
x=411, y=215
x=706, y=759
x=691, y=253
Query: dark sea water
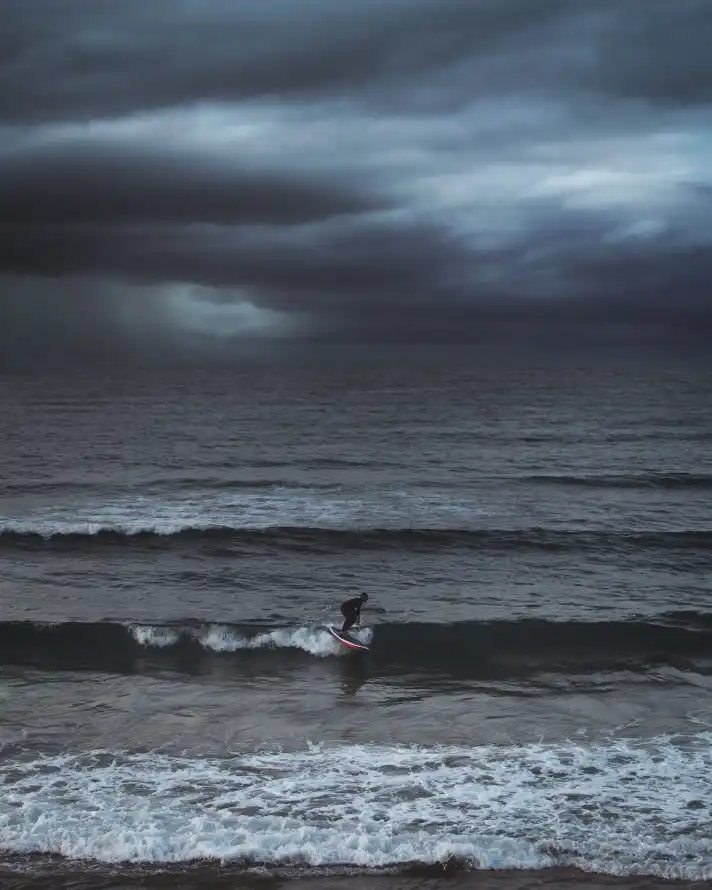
x=536, y=706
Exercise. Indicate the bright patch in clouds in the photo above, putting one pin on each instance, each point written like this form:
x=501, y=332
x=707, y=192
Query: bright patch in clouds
x=209, y=313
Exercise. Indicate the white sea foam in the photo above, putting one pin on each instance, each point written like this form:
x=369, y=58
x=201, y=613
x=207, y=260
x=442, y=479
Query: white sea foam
x=244, y=510
x=621, y=808
x=155, y=636
x=220, y=638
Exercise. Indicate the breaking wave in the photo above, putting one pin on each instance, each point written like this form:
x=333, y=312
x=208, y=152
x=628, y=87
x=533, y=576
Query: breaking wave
x=107, y=643
x=465, y=650
x=226, y=638
x=623, y=807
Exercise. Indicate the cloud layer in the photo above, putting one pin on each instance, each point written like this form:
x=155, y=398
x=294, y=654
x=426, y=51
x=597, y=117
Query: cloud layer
x=211, y=175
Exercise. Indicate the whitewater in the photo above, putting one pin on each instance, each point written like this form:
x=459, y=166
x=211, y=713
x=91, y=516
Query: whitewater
x=608, y=808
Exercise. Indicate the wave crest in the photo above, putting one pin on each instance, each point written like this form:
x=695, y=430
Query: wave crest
x=224, y=638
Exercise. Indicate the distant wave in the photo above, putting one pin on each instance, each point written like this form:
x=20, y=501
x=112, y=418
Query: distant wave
x=492, y=650
x=609, y=808
x=225, y=484
x=165, y=533
x=700, y=481
x=163, y=483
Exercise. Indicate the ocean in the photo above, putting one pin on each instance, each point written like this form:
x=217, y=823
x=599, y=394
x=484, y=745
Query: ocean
x=536, y=705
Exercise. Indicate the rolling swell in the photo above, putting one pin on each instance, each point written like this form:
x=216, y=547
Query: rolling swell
x=467, y=650
x=324, y=539
x=663, y=481
x=173, y=483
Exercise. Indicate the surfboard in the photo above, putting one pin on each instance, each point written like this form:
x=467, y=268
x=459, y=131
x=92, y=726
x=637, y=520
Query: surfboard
x=346, y=641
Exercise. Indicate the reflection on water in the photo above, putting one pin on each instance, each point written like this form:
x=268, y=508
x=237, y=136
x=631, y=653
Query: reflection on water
x=354, y=672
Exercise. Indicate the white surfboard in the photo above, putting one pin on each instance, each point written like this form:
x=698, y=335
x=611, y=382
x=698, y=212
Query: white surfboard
x=346, y=641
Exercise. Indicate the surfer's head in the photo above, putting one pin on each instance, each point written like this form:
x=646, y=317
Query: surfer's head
x=364, y=597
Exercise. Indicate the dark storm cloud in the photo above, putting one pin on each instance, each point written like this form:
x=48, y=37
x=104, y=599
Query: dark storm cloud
x=657, y=50
x=391, y=283
x=81, y=58
x=297, y=266
x=106, y=184
x=505, y=173
x=77, y=58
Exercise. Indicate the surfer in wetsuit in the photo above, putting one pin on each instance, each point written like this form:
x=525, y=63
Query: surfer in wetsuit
x=351, y=610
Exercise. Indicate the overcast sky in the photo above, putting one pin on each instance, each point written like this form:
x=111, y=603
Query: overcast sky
x=221, y=176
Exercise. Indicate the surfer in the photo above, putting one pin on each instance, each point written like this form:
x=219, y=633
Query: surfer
x=351, y=610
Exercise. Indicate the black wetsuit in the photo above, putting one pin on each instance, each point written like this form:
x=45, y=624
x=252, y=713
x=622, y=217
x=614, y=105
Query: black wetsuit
x=351, y=610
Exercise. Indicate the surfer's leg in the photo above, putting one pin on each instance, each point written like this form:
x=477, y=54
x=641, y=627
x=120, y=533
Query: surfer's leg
x=349, y=622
